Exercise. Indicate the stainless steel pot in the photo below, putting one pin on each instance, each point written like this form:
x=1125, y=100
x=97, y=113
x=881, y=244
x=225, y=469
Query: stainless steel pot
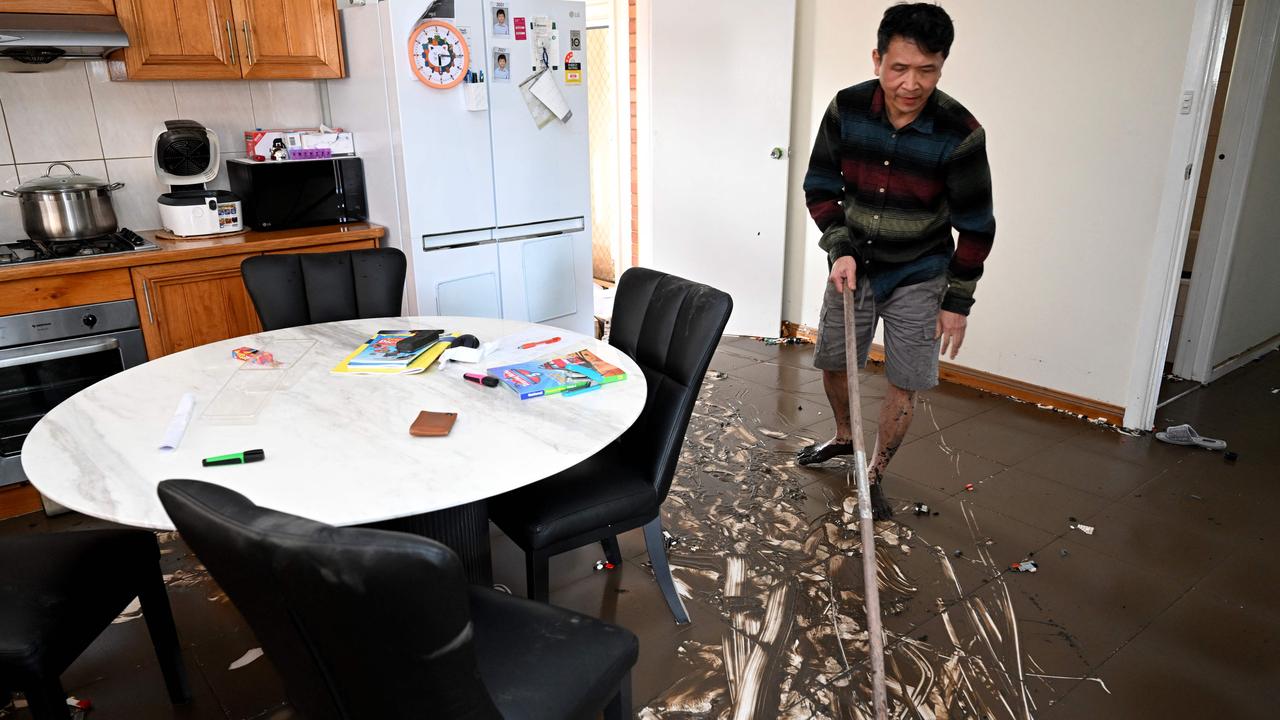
x=65, y=207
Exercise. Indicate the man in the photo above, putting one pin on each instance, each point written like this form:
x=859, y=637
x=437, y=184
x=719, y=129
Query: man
x=500, y=22
x=896, y=165
x=502, y=72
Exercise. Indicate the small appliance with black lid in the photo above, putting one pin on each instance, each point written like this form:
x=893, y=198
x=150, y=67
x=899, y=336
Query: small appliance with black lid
x=186, y=157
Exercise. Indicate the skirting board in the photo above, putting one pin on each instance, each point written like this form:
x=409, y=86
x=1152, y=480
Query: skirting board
x=1094, y=409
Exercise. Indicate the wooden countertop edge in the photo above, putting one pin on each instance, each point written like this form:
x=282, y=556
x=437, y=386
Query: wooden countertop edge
x=255, y=242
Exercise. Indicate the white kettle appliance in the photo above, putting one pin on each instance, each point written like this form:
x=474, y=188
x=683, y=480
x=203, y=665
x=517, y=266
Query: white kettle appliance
x=186, y=157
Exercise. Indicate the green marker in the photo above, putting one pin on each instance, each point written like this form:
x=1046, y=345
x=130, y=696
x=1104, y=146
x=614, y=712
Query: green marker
x=247, y=456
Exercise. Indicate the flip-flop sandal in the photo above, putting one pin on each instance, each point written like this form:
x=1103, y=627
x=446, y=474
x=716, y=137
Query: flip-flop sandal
x=1186, y=435
x=814, y=454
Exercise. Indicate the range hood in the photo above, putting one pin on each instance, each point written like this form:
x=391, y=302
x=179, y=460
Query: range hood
x=38, y=39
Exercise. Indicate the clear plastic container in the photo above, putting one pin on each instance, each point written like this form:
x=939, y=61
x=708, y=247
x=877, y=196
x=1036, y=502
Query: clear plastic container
x=246, y=392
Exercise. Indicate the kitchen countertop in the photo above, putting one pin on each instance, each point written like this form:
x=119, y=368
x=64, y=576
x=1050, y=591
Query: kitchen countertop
x=179, y=250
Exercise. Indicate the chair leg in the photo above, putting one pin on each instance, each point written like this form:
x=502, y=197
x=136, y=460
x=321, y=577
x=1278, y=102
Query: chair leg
x=164, y=636
x=612, y=552
x=619, y=707
x=657, y=547
x=537, y=575
x=48, y=701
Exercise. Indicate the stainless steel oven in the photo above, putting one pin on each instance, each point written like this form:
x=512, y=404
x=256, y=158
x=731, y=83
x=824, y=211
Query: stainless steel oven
x=48, y=356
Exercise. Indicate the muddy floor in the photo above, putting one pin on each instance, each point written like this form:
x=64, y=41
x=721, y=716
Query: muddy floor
x=1152, y=596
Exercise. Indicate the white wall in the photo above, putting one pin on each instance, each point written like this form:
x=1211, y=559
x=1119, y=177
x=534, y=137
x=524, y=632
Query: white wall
x=74, y=113
x=1079, y=101
x=1251, y=308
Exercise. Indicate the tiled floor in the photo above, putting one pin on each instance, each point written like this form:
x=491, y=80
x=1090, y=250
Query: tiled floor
x=1166, y=610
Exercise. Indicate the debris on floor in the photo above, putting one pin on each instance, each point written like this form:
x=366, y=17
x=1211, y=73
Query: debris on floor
x=1026, y=566
x=603, y=565
x=1230, y=457
x=1077, y=525
x=921, y=509
x=246, y=658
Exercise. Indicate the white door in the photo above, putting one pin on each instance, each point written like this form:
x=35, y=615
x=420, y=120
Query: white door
x=541, y=273
x=458, y=279
x=720, y=99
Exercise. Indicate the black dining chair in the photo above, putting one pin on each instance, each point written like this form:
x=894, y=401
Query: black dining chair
x=374, y=624
x=670, y=327
x=59, y=591
x=306, y=288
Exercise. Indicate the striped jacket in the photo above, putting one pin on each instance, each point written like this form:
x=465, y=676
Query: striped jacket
x=889, y=197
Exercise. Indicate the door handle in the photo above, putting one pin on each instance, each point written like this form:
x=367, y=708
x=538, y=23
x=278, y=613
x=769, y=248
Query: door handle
x=231, y=43
x=248, y=40
x=58, y=351
x=777, y=153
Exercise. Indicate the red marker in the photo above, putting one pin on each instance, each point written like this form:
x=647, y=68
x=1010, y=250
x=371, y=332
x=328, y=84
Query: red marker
x=528, y=345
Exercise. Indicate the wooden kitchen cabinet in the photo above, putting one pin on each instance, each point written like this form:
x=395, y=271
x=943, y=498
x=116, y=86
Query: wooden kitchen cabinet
x=190, y=303
x=185, y=304
x=284, y=39
x=226, y=39
x=59, y=7
x=177, y=40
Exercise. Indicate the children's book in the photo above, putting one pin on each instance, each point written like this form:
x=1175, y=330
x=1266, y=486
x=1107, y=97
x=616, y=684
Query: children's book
x=379, y=356
x=575, y=372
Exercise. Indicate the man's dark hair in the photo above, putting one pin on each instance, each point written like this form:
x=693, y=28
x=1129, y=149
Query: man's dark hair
x=925, y=24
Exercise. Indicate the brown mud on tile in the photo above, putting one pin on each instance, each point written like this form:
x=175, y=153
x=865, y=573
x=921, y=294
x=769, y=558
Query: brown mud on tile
x=779, y=556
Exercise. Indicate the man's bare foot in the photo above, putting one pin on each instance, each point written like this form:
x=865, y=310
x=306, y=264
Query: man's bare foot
x=822, y=452
x=880, y=507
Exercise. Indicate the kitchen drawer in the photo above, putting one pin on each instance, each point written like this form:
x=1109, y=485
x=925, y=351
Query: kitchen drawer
x=57, y=291
x=336, y=247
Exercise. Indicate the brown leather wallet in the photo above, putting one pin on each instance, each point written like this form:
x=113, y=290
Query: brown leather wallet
x=432, y=424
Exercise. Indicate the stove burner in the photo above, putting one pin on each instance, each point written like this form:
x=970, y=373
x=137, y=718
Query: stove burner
x=123, y=240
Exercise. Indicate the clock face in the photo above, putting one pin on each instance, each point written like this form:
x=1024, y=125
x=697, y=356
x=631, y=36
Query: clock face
x=438, y=54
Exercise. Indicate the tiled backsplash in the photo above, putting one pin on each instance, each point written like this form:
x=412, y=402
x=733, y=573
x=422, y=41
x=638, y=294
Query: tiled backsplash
x=75, y=114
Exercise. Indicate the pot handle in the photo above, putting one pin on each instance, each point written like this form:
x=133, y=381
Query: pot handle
x=8, y=193
x=115, y=186
x=49, y=170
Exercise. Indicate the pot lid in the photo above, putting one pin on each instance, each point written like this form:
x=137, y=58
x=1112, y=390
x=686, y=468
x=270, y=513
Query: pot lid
x=49, y=183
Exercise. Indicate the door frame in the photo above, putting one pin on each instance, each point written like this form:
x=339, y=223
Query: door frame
x=1241, y=126
x=1207, y=42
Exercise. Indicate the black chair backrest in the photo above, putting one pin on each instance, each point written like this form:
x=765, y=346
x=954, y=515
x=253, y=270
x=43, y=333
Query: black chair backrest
x=671, y=327
x=306, y=288
x=360, y=623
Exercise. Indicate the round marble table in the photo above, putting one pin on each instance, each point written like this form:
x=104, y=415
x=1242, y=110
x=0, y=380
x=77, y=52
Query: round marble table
x=338, y=447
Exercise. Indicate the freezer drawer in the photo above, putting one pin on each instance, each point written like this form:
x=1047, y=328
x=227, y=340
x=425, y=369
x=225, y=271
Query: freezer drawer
x=458, y=280
x=547, y=279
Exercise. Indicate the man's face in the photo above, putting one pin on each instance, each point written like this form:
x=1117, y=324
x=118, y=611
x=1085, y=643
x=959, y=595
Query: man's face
x=502, y=63
x=907, y=75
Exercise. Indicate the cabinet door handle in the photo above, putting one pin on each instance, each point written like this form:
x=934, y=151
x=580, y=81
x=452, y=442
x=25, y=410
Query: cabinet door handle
x=248, y=40
x=231, y=43
x=146, y=296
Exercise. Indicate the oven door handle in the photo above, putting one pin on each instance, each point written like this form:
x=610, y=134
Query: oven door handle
x=56, y=351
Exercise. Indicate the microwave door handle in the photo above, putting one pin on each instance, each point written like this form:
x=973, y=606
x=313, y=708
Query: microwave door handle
x=68, y=350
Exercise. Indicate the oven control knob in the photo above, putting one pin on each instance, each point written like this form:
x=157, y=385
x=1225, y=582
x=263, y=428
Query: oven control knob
x=89, y=320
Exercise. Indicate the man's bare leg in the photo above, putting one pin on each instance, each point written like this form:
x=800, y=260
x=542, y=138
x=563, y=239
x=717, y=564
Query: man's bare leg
x=896, y=411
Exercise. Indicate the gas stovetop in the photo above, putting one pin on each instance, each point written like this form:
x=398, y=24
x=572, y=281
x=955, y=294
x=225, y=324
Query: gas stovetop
x=32, y=251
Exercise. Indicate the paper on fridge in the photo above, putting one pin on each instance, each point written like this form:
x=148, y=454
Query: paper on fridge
x=178, y=425
x=544, y=99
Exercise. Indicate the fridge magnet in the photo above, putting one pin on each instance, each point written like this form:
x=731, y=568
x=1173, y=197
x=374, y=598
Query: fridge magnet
x=518, y=23
x=501, y=65
x=439, y=9
x=501, y=28
x=438, y=53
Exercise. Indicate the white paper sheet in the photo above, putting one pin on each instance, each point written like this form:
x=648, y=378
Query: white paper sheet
x=178, y=425
x=544, y=99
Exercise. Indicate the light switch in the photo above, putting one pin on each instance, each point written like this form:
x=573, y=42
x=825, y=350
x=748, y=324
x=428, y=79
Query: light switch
x=1187, y=98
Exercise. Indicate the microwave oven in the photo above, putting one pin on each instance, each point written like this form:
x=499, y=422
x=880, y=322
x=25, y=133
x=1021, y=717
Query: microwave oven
x=282, y=194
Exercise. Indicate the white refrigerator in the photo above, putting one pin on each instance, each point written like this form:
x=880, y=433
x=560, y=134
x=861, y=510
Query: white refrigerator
x=492, y=211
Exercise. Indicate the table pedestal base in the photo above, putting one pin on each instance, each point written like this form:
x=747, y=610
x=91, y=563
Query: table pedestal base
x=464, y=529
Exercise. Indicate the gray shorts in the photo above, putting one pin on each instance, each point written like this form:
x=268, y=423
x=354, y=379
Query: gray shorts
x=910, y=316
